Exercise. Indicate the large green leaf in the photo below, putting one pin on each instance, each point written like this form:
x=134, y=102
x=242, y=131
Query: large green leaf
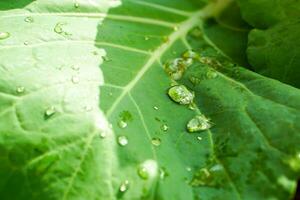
x=56, y=142
x=274, y=43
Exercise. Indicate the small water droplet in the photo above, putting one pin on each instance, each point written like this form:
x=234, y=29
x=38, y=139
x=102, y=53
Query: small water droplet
x=75, y=79
x=155, y=108
x=156, y=141
x=211, y=74
x=75, y=67
x=20, y=89
x=59, y=29
x=199, y=138
x=122, y=124
x=194, y=80
x=50, y=111
x=122, y=140
x=76, y=5
x=163, y=173
x=124, y=186
x=180, y=94
x=4, y=35
x=26, y=43
x=142, y=172
x=176, y=68
x=192, y=106
x=103, y=134
x=164, y=127
x=189, y=169
x=146, y=38
x=198, y=123
x=190, y=54
x=29, y=19
x=175, y=28
x=166, y=39
x=88, y=108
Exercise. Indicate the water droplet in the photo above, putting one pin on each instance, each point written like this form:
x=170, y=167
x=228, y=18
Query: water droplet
x=75, y=67
x=59, y=29
x=199, y=138
x=164, y=127
x=146, y=38
x=194, y=80
x=50, y=111
x=20, y=89
x=181, y=94
x=155, y=108
x=196, y=32
x=163, y=173
x=156, y=141
x=176, y=68
x=198, y=123
x=189, y=169
x=122, y=140
x=211, y=74
x=193, y=106
x=103, y=135
x=76, y=5
x=4, y=35
x=26, y=43
x=175, y=28
x=201, y=178
x=75, y=79
x=190, y=54
x=88, y=108
x=148, y=169
x=124, y=186
x=166, y=39
x=29, y=19
x=122, y=124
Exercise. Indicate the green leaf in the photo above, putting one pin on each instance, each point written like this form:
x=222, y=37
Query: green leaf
x=55, y=140
x=273, y=51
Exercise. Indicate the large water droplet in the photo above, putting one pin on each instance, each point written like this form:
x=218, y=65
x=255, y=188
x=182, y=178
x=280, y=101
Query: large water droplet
x=122, y=140
x=177, y=67
x=29, y=19
x=156, y=141
x=181, y=95
x=4, y=35
x=124, y=186
x=148, y=169
x=198, y=123
x=20, y=89
x=50, y=111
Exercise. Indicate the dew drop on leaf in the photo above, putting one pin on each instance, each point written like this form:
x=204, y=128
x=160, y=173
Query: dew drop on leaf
x=156, y=141
x=122, y=140
x=180, y=94
x=146, y=38
x=29, y=19
x=75, y=67
x=190, y=54
x=211, y=74
x=102, y=134
x=198, y=123
x=50, y=111
x=20, y=89
x=176, y=68
x=4, y=35
x=124, y=186
x=188, y=169
x=26, y=43
x=175, y=28
x=122, y=124
x=75, y=79
x=88, y=108
x=148, y=169
x=155, y=108
x=76, y=5
x=164, y=127
x=199, y=138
